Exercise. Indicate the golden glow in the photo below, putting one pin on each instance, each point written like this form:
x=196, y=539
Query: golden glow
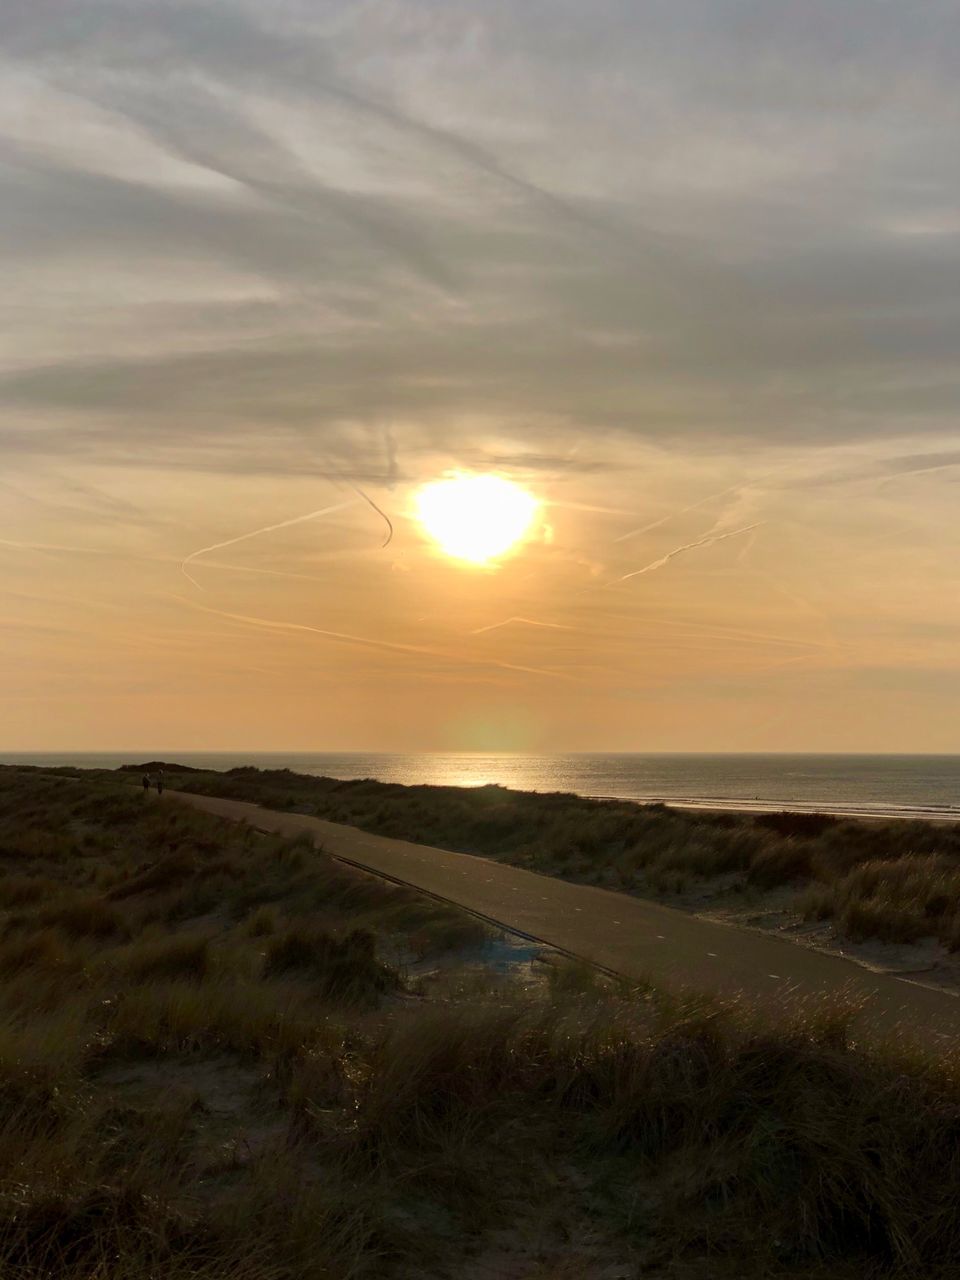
x=475, y=517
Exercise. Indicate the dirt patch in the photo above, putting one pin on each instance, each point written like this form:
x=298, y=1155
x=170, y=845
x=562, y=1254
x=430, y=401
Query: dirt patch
x=231, y=1122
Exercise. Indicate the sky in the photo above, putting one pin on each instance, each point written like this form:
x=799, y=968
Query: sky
x=686, y=271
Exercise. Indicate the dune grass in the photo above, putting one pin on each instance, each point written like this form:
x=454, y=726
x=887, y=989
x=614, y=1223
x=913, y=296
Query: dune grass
x=895, y=881
x=224, y=1075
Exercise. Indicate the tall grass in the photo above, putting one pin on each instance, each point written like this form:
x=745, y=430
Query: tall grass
x=252, y=1095
x=897, y=900
x=341, y=968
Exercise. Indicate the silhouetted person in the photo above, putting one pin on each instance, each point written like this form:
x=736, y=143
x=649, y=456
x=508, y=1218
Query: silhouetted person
x=159, y=782
x=146, y=783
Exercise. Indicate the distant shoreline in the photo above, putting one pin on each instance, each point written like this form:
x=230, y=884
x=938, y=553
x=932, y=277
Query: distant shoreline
x=923, y=788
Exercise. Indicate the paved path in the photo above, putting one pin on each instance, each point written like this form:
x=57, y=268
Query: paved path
x=633, y=937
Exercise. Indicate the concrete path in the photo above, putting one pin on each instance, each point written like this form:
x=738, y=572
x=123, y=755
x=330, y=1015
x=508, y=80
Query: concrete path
x=639, y=939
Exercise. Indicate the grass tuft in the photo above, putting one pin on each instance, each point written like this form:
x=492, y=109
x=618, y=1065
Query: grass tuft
x=896, y=900
x=343, y=969
x=177, y=956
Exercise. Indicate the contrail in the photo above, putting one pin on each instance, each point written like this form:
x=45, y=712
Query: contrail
x=387, y=540
x=527, y=622
x=255, y=533
x=687, y=546
x=370, y=642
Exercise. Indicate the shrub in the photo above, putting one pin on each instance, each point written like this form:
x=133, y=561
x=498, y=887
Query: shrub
x=806, y=826
x=779, y=863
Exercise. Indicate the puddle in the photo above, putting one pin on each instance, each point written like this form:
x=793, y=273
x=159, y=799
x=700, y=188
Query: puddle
x=505, y=953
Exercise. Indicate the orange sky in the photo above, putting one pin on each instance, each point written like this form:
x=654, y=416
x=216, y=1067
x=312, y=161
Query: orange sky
x=685, y=275
x=829, y=624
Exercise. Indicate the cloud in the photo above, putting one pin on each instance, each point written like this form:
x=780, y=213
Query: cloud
x=705, y=221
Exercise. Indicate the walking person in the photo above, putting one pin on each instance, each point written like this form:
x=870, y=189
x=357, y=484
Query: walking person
x=159, y=782
x=145, y=780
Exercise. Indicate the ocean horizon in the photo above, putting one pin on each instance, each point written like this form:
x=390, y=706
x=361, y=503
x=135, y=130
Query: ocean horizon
x=914, y=785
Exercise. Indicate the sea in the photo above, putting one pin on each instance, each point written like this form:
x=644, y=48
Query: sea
x=918, y=786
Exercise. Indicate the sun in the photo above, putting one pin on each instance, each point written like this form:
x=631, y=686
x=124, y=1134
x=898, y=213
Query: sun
x=476, y=518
